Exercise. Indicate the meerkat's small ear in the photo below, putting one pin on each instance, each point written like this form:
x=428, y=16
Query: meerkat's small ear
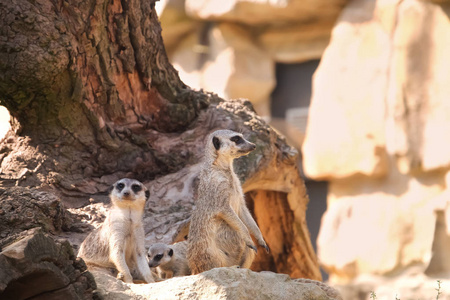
x=147, y=194
x=216, y=143
x=171, y=252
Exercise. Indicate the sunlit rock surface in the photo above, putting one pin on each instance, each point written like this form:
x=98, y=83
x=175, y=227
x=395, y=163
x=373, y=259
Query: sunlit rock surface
x=219, y=283
x=231, y=47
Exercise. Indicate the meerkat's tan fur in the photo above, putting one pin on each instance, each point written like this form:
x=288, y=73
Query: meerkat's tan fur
x=169, y=260
x=119, y=241
x=219, y=232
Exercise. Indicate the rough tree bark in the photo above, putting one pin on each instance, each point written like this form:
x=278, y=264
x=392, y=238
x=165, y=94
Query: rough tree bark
x=88, y=83
x=93, y=98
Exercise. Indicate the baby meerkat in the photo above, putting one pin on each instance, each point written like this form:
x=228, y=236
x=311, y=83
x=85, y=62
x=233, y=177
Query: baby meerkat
x=169, y=260
x=219, y=232
x=119, y=241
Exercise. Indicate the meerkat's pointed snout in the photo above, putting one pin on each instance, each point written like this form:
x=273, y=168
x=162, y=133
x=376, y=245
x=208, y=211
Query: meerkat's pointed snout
x=247, y=148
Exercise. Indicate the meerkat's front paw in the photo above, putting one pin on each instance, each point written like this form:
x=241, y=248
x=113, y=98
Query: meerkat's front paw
x=127, y=278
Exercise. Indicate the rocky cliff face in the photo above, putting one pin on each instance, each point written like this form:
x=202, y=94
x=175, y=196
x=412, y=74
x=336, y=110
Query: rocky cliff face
x=382, y=87
x=231, y=47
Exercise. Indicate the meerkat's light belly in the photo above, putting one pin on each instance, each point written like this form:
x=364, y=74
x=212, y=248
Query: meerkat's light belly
x=235, y=202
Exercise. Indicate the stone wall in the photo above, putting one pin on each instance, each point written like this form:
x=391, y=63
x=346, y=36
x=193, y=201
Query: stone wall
x=231, y=47
x=378, y=132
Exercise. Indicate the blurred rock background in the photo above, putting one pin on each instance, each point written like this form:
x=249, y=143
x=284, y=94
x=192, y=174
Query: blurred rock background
x=377, y=132
x=373, y=123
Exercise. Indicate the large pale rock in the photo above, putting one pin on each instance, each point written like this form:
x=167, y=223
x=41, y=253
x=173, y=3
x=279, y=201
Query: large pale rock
x=346, y=134
x=219, y=283
x=264, y=11
x=37, y=267
x=382, y=84
x=229, y=64
x=417, y=98
x=378, y=226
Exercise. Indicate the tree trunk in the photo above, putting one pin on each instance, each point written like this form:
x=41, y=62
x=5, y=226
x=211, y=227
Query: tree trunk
x=88, y=84
x=93, y=99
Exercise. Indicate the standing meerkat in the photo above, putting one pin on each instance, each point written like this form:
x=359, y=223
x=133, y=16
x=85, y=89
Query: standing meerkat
x=219, y=232
x=169, y=260
x=119, y=241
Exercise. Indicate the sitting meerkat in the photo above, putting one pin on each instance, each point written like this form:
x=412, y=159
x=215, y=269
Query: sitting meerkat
x=119, y=241
x=169, y=260
x=220, y=227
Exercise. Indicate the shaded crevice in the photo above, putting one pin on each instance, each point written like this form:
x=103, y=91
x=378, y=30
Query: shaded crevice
x=38, y=267
x=275, y=220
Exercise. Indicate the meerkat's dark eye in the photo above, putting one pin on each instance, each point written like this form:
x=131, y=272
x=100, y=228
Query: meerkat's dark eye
x=158, y=256
x=120, y=186
x=136, y=188
x=170, y=252
x=237, y=139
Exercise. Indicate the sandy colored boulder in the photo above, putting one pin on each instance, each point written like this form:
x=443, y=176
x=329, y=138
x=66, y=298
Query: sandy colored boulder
x=379, y=226
x=218, y=283
x=417, y=96
x=382, y=84
x=346, y=133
